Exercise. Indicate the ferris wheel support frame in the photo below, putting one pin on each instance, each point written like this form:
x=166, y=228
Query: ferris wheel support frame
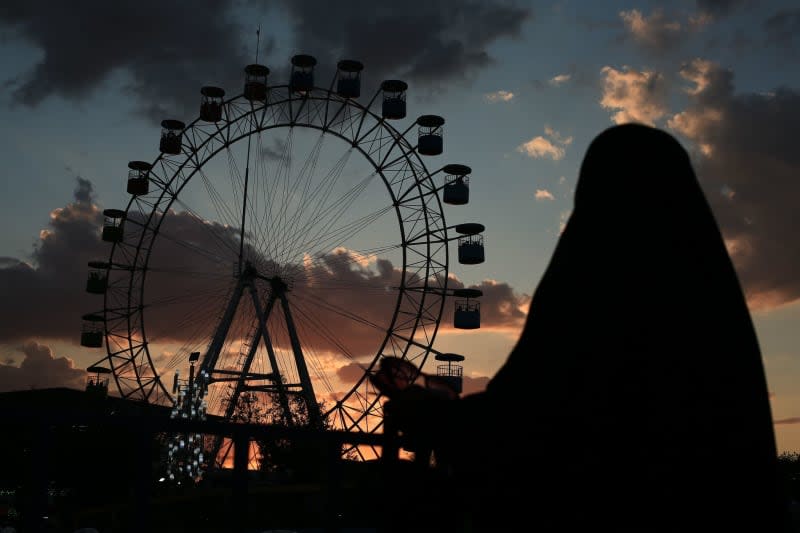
x=423, y=284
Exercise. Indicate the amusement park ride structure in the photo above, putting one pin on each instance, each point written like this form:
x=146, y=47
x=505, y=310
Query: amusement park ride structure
x=274, y=228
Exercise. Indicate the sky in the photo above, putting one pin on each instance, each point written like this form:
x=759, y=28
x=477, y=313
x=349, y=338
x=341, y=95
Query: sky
x=523, y=86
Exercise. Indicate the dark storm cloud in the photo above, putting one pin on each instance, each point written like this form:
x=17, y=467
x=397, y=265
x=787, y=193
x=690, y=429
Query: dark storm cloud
x=783, y=28
x=424, y=41
x=748, y=162
x=189, y=282
x=40, y=369
x=167, y=49
x=719, y=8
x=350, y=373
x=47, y=300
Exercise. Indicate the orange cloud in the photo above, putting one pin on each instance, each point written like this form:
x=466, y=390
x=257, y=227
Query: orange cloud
x=637, y=95
x=552, y=145
x=759, y=220
x=499, y=96
x=544, y=194
x=655, y=31
x=560, y=79
x=350, y=373
x=41, y=369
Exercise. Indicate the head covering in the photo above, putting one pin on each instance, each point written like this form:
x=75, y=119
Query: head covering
x=638, y=374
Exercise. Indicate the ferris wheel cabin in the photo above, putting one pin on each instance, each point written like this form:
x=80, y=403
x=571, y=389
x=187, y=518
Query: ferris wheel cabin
x=394, y=99
x=349, y=83
x=467, y=311
x=97, y=380
x=138, y=182
x=114, y=225
x=470, y=250
x=470, y=244
x=255, y=82
x=97, y=282
x=452, y=372
x=92, y=331
x=430, y=140
x=171, y=136
x=456, y=184
x=211, y=103
x=302, y=78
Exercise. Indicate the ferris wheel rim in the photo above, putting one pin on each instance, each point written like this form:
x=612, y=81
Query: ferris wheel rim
x=316, y=94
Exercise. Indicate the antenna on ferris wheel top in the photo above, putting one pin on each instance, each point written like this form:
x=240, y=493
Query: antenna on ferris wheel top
x=258, y=40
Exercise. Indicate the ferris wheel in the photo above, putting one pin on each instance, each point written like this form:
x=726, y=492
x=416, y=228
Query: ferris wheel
x=280, y=245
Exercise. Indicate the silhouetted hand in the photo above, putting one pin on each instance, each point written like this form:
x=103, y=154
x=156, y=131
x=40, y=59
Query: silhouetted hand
x=417, y=411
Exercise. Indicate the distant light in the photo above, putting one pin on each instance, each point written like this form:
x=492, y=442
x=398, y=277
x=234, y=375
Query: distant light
x=161, y=480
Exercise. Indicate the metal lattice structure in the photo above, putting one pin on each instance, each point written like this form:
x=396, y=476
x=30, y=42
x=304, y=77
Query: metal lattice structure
x=265, y=268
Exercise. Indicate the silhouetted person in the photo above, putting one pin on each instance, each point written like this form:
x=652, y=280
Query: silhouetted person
x=635, y=398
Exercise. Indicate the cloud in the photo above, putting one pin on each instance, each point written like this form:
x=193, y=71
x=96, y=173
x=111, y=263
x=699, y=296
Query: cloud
x=342, y=300
x=573, y=76
x=471, y=385
x=552, y=145
x=638, y=95
x=46, y=297
x=276, y=151
x=349, y=373
x=559, y=80
x=719, y=8
x=746, y=145
x=791, y=420
x=544, y=194
x=783, y=28
x=499, y=96
x=539, y=147
x=502, y=308
x=165, y=68
x=428, y=43
x=655, y=32
x=40, y=369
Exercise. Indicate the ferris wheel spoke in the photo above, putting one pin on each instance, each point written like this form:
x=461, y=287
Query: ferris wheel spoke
x=260, y=170
x=224, y=213
x=282, y=170
x=318, y=325
x=302, y=213
x=348, y=314
x=318, y=196
x=263, y=242
x=195, y=249
x=329, y=216
x=303, y=178
x=179, y=329
x=185, y=272
x=191, y=295
x=337, y=236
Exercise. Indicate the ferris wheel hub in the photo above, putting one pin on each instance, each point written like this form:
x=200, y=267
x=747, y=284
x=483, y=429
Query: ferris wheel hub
x=305, y=230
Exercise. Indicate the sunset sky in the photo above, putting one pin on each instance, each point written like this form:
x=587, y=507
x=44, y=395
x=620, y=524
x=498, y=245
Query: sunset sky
x=523, y=86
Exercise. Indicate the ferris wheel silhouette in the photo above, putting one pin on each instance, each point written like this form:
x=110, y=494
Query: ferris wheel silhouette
x=280, y=245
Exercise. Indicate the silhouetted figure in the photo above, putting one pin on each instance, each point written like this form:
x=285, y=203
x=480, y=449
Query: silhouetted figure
x=635, y=398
